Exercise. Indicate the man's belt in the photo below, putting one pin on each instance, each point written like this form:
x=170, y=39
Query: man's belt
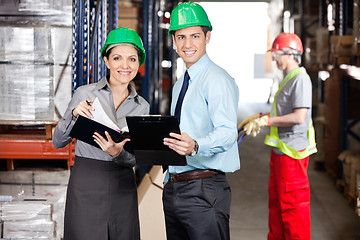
x=195, y=174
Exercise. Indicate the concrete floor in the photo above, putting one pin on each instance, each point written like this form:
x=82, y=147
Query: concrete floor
x=332, y=217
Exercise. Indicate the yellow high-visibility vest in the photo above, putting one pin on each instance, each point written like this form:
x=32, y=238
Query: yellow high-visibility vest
x=273, y=139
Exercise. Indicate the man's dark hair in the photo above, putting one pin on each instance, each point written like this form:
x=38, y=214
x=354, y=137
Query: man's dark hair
x=205, y=29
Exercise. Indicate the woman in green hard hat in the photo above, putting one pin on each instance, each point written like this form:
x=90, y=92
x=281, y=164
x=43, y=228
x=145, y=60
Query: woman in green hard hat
x=197, y=196
x=101, y=201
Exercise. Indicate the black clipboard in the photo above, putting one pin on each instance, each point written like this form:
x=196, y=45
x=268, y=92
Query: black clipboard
x=84, y=129
x=147, y=134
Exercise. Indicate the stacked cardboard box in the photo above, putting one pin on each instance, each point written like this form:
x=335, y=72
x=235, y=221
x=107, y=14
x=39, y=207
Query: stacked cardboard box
x=341, y=48
x=351, y=172
x=151, y=214
x=332, y=115
x=128, y=15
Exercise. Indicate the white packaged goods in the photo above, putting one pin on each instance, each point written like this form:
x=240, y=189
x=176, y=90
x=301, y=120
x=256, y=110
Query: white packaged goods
x=29, y=229
x=28, y=75
x=34, y=196
x=35, y=44
x=49, y=184
x=25, y=210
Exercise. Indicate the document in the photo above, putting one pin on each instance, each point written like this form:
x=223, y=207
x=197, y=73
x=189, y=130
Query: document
x=84, y=128
x=100, y=116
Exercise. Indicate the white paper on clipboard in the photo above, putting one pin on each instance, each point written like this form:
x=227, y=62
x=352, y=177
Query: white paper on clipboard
x=100, y=116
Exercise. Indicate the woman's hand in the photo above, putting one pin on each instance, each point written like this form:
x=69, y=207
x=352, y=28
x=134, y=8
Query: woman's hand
x=108, y=145
x=83, y=109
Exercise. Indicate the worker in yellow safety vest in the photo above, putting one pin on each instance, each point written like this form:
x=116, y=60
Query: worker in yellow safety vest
x=292, y=137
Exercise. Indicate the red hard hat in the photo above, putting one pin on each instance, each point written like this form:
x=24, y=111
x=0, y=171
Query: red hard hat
x=287, y=40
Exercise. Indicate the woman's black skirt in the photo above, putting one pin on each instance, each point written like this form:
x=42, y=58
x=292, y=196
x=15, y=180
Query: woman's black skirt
x=101, y=202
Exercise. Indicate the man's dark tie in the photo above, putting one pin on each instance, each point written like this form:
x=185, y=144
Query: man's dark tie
x=179, y=103
x=181, y=96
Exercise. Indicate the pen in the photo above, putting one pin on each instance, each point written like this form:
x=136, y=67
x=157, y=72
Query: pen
x=88, y=103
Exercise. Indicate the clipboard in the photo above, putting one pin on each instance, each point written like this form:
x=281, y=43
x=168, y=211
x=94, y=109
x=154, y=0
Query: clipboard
x=147, y=134
x=84, y=129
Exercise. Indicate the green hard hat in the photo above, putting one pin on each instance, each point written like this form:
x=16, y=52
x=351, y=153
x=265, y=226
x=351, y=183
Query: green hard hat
x=125, y=35
x=188, y=14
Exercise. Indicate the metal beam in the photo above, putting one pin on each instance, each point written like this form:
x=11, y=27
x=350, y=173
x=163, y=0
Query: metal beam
x=89, y=37
x=80, y=55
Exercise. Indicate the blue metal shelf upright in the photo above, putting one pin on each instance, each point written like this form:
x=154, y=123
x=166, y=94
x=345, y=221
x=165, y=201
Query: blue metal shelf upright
x=155, y=39
x=150, y=36
x=92, y=20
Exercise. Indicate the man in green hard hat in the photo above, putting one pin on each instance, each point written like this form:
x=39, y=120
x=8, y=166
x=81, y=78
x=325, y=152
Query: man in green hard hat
x=197, y=196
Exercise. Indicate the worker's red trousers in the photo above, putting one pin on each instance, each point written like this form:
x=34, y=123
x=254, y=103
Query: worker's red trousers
x=289, y=198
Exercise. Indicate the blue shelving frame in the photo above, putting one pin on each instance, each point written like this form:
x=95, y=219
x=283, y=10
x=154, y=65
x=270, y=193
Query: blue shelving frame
x=92, y=20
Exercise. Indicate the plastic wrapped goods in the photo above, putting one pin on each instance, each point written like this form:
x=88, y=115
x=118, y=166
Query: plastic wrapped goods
x=29, y=229
x=35, y=42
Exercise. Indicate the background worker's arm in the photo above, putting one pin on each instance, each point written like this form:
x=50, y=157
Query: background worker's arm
x=294, y=118
x=248, y=119
x=297, y=117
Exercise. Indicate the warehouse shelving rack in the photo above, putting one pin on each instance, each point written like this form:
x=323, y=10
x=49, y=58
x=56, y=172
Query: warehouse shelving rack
x=92, y=20
x=31, y=139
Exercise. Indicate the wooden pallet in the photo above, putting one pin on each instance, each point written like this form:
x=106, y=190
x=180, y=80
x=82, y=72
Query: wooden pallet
x=26, y=129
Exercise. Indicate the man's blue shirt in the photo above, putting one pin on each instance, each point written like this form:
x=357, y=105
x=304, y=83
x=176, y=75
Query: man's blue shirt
x=209, y=116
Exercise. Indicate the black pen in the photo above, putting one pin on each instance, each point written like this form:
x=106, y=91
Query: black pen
x=88, y=103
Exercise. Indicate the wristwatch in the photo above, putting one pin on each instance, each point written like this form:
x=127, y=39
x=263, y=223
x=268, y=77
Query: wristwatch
x=195, y=150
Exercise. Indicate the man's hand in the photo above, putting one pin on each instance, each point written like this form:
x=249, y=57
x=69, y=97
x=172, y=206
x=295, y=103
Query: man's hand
x=182, y=143
x=253, y=127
